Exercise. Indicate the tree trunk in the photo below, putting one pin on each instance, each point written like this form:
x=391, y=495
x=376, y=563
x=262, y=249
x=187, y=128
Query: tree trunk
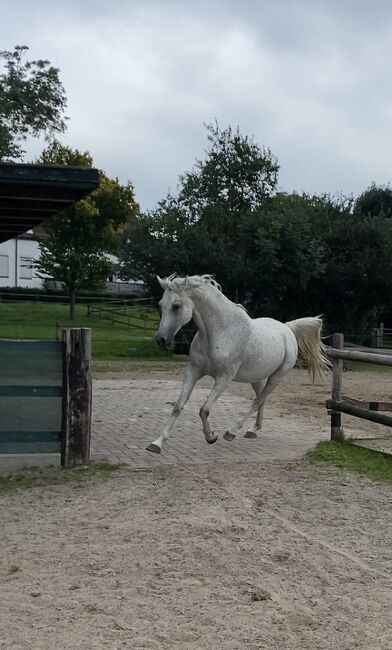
x=72, y=305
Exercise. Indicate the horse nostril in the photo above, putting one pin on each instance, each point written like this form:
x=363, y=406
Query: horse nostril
x=161, y=341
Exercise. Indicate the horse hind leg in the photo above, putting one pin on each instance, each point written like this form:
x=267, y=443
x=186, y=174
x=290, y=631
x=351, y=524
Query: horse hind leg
x=258, y=402
x=252, y=433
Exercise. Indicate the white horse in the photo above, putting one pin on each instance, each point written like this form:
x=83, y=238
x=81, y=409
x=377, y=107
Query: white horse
x=231, y=346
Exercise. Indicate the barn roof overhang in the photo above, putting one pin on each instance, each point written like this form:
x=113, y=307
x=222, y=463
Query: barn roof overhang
x=31, y=194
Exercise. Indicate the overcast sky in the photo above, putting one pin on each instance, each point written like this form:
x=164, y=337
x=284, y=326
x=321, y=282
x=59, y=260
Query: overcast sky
x=311, y=80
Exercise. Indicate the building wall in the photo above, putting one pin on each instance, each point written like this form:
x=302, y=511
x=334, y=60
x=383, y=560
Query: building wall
x=25, y=249
x=16, y=257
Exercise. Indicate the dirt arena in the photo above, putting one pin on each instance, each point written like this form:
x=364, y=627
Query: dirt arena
x=228, y=555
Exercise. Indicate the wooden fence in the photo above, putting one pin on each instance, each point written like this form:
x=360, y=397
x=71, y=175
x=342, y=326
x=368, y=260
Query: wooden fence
x=142, y=320
x=45, y=397
x=123, y=312
x=339, y=404
x=381, y=336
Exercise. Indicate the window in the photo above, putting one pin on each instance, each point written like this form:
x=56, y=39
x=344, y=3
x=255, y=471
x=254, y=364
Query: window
x=4, y=266
x=26, y=268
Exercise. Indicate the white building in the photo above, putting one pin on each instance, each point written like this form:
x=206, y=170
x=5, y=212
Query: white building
x=17, y=269
x=16, y=262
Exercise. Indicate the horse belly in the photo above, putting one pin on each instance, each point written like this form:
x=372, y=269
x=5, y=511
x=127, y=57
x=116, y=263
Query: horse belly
x=268, y=349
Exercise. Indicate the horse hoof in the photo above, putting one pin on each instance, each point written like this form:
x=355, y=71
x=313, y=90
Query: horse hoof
x=229, y=436
x=212, y=440
x=250, y=434
x=154, y=448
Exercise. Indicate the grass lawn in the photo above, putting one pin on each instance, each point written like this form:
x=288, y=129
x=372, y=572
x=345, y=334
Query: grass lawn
x=355, y=459
x=34, y=320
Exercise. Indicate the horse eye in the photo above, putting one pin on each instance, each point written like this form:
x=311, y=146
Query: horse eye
x=176, y=307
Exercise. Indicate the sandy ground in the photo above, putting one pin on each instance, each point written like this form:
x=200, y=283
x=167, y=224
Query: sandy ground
x=229, y=556
x=294, y=397
x=270, y=556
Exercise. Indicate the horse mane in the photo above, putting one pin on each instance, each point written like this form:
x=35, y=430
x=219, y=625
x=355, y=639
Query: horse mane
x=180, y=285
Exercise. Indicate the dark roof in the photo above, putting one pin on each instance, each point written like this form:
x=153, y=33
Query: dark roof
x=30, y=194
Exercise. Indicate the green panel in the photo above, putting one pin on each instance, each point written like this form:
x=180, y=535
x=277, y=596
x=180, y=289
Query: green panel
x=29, y=436
x=31, y=391
x=39, y=363
x=30, y=369
x=53, y=447
x=30, y=414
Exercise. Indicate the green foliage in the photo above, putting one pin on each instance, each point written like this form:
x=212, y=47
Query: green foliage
x=236, y=174
x=376, y=201
x=79, y=238
x=281, y=255
x=32, y=101
x=357, y=284
x=59, y=154
x=196, y=231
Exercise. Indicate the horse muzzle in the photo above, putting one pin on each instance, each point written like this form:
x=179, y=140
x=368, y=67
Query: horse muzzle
x=163, y=342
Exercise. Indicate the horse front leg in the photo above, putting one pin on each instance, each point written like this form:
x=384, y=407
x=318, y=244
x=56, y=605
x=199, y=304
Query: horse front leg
x=216, y=391
x=192, y=375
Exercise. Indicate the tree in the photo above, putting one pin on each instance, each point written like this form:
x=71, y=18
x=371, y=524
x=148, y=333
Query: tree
x=198, y=229
x=32, y=101
x=79, y=239
x=282, y=254
x=356, y=286
x=375, y=201
x=237, y=174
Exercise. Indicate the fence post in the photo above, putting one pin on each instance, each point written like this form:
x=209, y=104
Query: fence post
x=380, y=337
x=337, y=379
x=77, y=397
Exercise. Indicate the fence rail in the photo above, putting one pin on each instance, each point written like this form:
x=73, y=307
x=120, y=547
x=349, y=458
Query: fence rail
x=339, y=404
x=119, y=312
x=359, y=355
x=382, y=335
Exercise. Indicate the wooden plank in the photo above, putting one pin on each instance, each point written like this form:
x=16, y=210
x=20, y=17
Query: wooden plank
x=31, y=391
x=381, y=445
x=366, y=357
x=77, y=397
x=337, y=380
x=356, y=411
x=372, y=405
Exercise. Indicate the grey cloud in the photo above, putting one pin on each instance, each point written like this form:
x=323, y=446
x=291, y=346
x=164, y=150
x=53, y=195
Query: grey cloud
x=311, y=80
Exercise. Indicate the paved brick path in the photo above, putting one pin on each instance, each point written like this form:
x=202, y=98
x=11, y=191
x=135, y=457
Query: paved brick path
x=128, y=414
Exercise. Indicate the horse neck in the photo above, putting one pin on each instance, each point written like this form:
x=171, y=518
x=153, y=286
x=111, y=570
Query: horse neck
x=212, y=311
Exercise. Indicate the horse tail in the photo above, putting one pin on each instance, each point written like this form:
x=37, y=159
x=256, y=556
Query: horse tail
x=311, y=349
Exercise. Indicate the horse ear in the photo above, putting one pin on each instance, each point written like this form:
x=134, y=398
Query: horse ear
x=161, y=282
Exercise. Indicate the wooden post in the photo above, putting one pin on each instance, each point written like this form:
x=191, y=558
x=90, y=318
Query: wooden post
x=380, y=337
x=337, y=380
x=77, y=397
